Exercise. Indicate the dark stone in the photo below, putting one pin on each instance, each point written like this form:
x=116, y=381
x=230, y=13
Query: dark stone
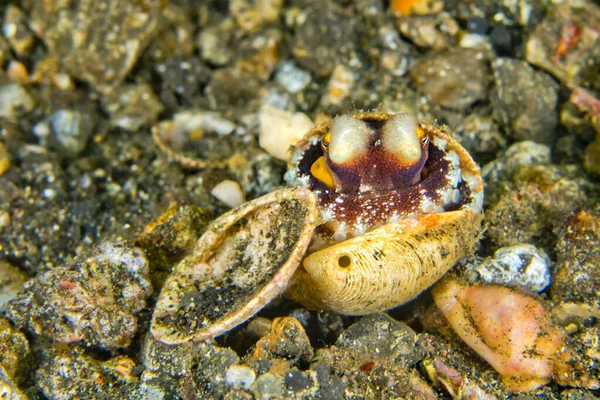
x=297, y=381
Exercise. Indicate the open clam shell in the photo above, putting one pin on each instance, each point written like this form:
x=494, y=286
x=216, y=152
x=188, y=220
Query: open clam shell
x=244, y=259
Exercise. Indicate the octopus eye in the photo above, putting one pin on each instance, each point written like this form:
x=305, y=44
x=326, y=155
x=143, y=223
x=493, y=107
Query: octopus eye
x=349, y=139
x=403, y=137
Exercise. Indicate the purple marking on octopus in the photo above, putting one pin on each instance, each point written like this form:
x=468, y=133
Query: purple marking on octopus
x=374, y=208
x=377, y=207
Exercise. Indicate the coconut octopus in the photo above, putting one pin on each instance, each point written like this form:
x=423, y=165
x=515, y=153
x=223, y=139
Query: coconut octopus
x=381, y=207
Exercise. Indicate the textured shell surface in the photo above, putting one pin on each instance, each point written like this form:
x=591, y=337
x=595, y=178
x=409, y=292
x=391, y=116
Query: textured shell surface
x=400, y=202
x=244, y=259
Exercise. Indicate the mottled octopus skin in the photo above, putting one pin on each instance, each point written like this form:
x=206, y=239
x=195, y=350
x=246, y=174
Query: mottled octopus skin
x=414, y=234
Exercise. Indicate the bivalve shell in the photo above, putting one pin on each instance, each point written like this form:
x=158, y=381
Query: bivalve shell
x=243, y=260
x=386, y=267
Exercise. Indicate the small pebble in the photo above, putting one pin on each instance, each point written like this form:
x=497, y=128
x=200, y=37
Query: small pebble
x=297, y=381
x=11, y=283
x=518, y=154
x=259, y=327
x=230, y=193
x=478, y=25
x=15, y=29
x=14, y=101
x=240, y=376
x=4, y=159
x=252, y=15
x=4, y=218
x=65, y=130
x=132, y=106
x=17, y=72
x=281, y=129
x=292, y=77
x=441, y=76
x=340, y=85
x=523, y=264
x=524, y=100
x=267, y=387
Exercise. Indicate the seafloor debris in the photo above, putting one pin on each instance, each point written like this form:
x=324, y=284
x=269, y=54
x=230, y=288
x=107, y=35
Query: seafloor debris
x=524, y=100
x=94, y=302
x=11, y=283
x=68, y=373
x=375, y=357
x=577, y=276
x=111, y=36
x=521, y=264
x=510, y=330
x=14, y=357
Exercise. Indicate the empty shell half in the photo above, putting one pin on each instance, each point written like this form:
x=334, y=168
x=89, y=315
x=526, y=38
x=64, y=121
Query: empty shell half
x=244, y=259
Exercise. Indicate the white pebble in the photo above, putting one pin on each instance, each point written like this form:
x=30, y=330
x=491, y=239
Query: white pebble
x=280, y=129
x=522, y=264
x=240, y=376
x=230, y=193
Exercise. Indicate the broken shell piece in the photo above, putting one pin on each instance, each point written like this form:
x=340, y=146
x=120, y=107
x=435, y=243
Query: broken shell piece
x=457, y=385
x=171, y=135
x=244, y=259
x=510, y=330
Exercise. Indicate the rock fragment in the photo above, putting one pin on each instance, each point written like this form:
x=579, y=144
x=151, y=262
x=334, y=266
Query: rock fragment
x=293, y=78
x=94, y=302
x=577, y=277
x=524, y=101
x=522, y=265
x=216, y=43
x=324, y=36
x=132, y=106
x=16, y=31
x=66, y=131
x=11, y=283
x=454, y=79
x=286, y=339
x=434, y=31
x=565, y=44
x=279, y=130
x=14, y=101
x=376, y=355
x=251, y=15
x=71, y=373
x=15, y=353
x=98, y=42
